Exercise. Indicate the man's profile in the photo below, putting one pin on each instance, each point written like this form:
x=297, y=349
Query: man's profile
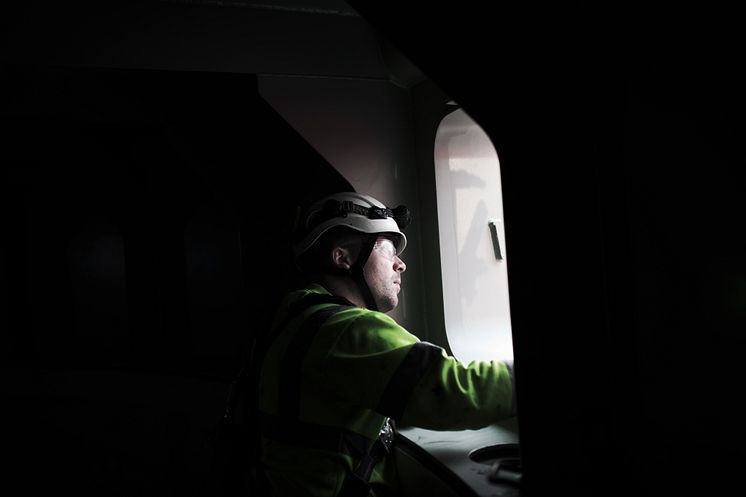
x=338, y=373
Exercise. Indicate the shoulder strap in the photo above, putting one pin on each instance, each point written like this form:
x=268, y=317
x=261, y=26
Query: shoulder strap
x=261, y=341
x=286, y=425
x=296, y=308
x=235, y=444
x=289, y=388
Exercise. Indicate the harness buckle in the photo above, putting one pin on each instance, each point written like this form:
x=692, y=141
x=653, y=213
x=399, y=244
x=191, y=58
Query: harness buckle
x=386, y=435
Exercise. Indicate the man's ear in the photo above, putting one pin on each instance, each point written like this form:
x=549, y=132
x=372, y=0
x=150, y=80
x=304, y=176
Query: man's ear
x=341, y=258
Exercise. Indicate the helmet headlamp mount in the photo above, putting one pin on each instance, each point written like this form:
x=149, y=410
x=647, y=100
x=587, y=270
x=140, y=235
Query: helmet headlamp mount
x=336, y=208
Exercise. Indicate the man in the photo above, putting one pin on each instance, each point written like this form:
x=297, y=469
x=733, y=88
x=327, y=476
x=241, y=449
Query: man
x=337, y=370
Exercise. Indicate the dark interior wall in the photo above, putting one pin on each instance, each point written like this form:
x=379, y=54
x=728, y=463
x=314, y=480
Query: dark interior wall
x=146, y=209
x=138, y=264
x=685, y=182
x=192, y=35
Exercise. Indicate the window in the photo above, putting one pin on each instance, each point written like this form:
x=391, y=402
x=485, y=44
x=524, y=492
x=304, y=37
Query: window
x=472, y=241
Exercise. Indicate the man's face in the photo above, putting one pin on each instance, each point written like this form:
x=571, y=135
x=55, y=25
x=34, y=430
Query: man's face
x=383, y=272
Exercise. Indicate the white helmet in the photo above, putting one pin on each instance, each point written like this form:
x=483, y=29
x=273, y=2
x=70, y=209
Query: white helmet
x=352, y=210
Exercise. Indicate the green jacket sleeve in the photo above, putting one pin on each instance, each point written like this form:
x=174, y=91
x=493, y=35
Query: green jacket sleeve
x=377, y=364
x=452, y=396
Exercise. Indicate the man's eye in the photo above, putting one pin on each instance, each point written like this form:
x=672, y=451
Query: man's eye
x=387, y=246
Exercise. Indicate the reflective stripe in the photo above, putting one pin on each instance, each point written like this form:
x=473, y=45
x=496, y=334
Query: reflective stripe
x=405, y=378
x=292, y=361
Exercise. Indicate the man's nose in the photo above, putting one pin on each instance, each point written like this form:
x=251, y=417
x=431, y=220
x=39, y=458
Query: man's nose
x=400, y=266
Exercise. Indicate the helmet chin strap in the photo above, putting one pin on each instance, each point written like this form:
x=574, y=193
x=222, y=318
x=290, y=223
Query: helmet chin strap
x=357, y=274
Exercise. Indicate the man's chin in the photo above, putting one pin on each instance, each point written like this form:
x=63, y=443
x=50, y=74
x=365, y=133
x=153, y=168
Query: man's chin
x=388, y=305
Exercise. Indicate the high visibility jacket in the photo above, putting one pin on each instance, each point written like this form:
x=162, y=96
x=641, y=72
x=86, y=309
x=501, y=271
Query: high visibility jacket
x=333, y=374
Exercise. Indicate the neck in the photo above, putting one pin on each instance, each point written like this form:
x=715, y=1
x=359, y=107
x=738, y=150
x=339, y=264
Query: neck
x=343, y=287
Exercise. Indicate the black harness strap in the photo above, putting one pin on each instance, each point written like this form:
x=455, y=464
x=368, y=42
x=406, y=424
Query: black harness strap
x=405, y=378
x=333, y=439
x=314, y=435
x=286, y=426
x=357, y=484
x=296, y=308
x=260, y=344
x=292, y=361
x=237, y=431
x=357, y=272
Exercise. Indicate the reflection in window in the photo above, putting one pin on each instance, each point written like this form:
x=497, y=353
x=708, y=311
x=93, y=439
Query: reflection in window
x=472, y=241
